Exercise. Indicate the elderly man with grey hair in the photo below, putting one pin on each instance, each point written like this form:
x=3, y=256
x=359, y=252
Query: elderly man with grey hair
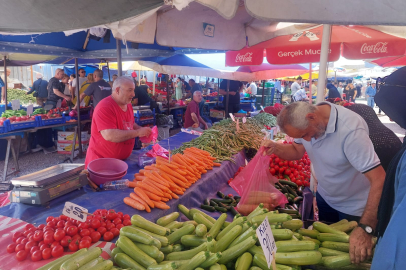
x=349, y=174
x=56, y=88
x=99, y=89
x=193, y=120
x=113, y=128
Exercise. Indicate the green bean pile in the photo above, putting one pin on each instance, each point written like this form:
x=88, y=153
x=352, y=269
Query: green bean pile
x=223, y=140
x=266, y=119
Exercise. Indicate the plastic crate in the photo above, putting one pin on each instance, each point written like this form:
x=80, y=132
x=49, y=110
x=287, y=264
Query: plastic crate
x=5, y=127
x=83, y=116
x=141, y=113
x=25, y=124
x=53, y=121
x=145, y=122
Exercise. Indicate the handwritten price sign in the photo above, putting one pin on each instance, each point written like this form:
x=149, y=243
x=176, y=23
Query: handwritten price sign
x=74, y=211
x=267, y=241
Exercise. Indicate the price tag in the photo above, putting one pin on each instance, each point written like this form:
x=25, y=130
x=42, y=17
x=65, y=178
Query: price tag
x=15, y=104
x=59, y=103
x=244, y=119
x=75, y=211
x=30, y=109
x=232, y=117
x=267, y=241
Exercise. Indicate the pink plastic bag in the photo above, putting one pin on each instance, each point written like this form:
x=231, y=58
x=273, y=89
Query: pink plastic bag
x=158, y=150
x=152, y=137
x=255, y=184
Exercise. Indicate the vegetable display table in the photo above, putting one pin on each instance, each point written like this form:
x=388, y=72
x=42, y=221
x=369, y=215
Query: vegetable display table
x=207, y=186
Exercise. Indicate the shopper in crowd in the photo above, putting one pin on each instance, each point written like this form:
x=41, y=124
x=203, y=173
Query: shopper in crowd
x=296, y=86
x=194, y=87
x=39, y=87
x=99, y=89
x=370, y=93
x=332, y=91
x=340, y=89
x=113, y=127
x=68, y=86
x=3, y=87
x=141, y=96
x=210, y=84
x=178, y=91
x=350, y=91
x=186, y=86
x=358, y=87
x=85, y=85
x=301, y=94
x=56, y=88
x=392, y=207
x=252, y=88
x=350, y=184
x=193, y=120
x=82, y=79
x=314, y=88
x=234, y=90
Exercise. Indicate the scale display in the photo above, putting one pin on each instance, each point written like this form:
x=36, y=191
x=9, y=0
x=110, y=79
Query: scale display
x=54, y=191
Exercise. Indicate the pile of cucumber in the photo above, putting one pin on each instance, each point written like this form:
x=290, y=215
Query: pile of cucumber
x=221, y=204
x=294, y=195
x=82, y=259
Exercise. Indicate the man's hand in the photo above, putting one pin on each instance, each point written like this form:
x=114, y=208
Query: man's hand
x=68, y=99
x=144, y=132
x=195, y=125
x=360, y=245
x=206, y=126
x=232, y=93
x=269, y=147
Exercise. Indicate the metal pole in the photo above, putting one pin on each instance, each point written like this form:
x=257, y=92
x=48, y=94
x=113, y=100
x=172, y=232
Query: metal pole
x=227, y=97
x=263, y=93
x=153, y=83
x=119, y=62
x=168, y=93
x=5, y=80
x=310, y=84
x=325, y=44
x=218, y=88
x=78, y=107
x=108, y=70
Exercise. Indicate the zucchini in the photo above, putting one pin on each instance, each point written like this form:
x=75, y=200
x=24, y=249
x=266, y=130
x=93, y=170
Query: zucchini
x=174, y=225
x=311, y=239
x=201, y=230
x=192, y=240
x=235, y=222
x=136, y=235
x=291, y=191
x=347, y=227
x=151, y=251
x=213, y=259
x=341, y=222
x=288, y=183
x=57, y=263
x=256, y=211
x=165, y=220
x=199, y=218
x=282, y=234
x=220, y=194
x=256, y=250
x=213, y=203
x=309, y=233
x=218, y=225
x=298, y=236
x=234, y=211
x=334, y=262
x=297, y=199
x=79, y=260
x=333, y=237
x=291, y=246
x=324, y=228
x=288, y=211
x=187, y=254
x=134, y=252
x=209, y=218
x=185, y=211
x=115, y=251
x=298, y=257
x=223, y=267
x=255, y=268
x=211, y=243
x=245, y=261
x=178, y=247
x=225, y=241
x=215, y=266
x=208, y=208
x=177, y=235
x=272, y=218
x=167, y=266
x=190, y=222
x=166, y=250
x=141, y=222
x=197, y=260
x=221, y=209
x=344, y=247
x=105, y=265
x=294, y=224
x=250, y=232
x=260, y=261
x=237, y=250
x=162, y=239
x=330, y=252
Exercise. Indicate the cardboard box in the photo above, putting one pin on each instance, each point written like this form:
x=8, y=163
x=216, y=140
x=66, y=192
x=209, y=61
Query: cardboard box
x=67, y=136
x=217, y=114
x=64, y=147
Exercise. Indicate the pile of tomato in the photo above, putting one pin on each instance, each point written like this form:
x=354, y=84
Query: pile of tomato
x=62, y=233
x=236, y=173
x=297, y=171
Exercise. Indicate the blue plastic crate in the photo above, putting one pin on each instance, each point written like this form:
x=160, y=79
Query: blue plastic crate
x=5, y=127
x=53, y=121
x=26, y=124
x=83, y=116
x=145, y=122
x=141, y=113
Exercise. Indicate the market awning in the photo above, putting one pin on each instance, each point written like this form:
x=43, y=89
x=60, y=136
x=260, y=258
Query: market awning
x=267, y=71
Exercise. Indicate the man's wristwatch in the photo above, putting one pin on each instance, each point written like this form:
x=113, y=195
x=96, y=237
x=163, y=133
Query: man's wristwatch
x=366, y=228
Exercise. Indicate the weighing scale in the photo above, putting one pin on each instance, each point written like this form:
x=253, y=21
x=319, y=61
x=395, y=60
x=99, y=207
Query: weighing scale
x=45, y=185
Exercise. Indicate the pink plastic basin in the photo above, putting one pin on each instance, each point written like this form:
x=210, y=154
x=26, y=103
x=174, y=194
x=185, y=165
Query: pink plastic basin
x=99, y=180
x=107, y=167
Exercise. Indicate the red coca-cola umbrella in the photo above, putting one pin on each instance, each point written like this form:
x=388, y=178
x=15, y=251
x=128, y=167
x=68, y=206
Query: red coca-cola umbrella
x=352, y=42
x=268, y=71
x=394, y=61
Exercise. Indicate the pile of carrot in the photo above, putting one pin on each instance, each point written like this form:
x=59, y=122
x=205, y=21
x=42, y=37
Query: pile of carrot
x=165, y=180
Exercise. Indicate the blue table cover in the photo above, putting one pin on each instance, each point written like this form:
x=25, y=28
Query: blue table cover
x=206, y=187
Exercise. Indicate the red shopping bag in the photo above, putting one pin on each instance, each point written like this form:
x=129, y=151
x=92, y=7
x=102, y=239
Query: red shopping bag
x=152, y=137
x=255, y=184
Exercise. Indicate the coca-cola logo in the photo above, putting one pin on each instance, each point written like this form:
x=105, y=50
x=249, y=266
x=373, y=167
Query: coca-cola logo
x=379, y=47
x=242, y=58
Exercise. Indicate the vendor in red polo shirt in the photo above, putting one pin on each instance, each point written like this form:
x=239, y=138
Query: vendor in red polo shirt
x=193, y=120
x=113, y=127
